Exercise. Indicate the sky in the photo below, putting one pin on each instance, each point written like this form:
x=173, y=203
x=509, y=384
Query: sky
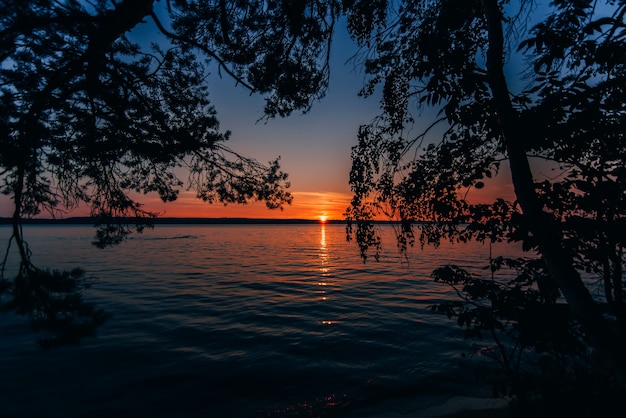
x=314, y=147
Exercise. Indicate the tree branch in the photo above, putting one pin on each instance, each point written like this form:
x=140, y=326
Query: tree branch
x=203, y=49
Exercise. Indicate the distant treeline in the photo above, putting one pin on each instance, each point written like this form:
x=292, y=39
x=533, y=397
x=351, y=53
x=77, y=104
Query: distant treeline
x=86, y=220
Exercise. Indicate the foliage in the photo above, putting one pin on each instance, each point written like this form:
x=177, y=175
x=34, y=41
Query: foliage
x=525, y=303
x=278, y=48
x=54, y=304
x=546, y=365
x=91, y=116
x=558, y=130
x=94, y=115
x=572, y=113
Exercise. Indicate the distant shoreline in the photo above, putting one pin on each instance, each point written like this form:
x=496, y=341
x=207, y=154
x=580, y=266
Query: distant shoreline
x=80, y=220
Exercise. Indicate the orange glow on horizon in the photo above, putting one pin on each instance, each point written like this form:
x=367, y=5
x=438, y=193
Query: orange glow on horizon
x=317, y=206
x=321, y=206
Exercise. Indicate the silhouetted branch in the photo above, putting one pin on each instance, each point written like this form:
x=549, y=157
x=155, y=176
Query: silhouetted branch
x=221, y=62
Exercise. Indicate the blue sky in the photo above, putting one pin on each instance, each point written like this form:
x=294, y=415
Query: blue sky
x=314, y=147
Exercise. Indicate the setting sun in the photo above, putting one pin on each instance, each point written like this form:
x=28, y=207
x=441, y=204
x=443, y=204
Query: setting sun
x=323, y=218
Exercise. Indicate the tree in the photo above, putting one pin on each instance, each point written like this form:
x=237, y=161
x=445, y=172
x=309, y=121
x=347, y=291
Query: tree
x=89, y=117
x=565, y=113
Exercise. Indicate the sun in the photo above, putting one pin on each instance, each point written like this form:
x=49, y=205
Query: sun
x=323, y=218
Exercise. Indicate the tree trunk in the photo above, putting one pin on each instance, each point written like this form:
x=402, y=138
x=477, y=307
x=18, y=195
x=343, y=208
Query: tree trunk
x=16, y=221
x=110, y=27
x=542, y=226
x=618, y=292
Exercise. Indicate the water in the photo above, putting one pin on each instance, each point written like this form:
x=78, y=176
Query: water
x=241, y=321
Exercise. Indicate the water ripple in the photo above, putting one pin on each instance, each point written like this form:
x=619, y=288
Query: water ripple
x=239, y=321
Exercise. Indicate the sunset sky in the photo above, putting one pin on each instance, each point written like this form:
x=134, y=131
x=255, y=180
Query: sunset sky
x=314, y=147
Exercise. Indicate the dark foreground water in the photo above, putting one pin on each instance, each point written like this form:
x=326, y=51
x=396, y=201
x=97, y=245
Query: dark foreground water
x=241, y=321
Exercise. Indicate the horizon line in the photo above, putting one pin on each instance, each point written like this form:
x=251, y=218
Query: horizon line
x=171, y=219
x=84, y=220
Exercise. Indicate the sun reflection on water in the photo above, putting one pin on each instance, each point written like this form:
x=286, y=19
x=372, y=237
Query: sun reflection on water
x=323, y=252
x=324, y=268
x=324, y=283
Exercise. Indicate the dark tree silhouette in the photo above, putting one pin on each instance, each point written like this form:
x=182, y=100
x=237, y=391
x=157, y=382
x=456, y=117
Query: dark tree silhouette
x=89, y=117
x=564, y=113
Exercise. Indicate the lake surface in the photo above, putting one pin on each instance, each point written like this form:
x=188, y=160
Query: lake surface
x=241, y=321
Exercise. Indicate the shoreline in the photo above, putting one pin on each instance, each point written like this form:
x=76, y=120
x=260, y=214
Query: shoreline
x=457, y=406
